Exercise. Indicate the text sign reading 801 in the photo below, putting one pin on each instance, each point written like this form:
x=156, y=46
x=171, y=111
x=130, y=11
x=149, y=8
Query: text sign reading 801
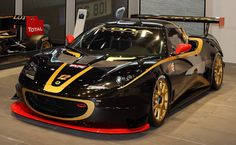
x=97, y=9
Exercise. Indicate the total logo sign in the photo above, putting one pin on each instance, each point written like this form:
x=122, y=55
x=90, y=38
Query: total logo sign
x=35, y=29
x=34, y=26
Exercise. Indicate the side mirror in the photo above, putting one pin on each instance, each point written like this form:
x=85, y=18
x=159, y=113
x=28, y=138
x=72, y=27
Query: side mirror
x=181, y=48
x=120, y=13
x=70, y=38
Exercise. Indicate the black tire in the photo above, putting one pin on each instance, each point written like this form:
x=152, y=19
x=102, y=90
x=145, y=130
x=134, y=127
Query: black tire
x=44, y=43
x=217, y=72
x=2, y=50
x=4, y=46
x=158, y=100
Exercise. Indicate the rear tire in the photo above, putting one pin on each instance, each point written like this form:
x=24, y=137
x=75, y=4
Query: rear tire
x=217, y=73
x=4, y=45
x=159, y=102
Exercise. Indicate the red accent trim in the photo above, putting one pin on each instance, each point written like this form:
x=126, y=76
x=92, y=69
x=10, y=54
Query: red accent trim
x=222, y=22
x=81, y=105
x=21, y=109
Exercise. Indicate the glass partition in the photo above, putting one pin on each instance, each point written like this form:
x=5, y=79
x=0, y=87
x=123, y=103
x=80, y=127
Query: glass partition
x=177, y=7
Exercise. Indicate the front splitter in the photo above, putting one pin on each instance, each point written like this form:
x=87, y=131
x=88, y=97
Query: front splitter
x=21, y=109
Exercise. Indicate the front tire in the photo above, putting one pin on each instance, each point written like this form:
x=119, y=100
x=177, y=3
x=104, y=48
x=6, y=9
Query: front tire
x=159, y=102
x=218, y=71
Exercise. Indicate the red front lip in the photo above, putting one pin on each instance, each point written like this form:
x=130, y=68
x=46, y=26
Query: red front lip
x=21, y=109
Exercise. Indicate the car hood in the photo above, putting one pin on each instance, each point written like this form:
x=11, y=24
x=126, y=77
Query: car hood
x=66, y=71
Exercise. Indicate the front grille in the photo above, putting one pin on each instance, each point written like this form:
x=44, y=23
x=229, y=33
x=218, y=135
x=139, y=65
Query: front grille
x=55, y=107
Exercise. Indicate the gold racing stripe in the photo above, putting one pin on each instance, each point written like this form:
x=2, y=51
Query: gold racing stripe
x=3, y=31
x=120, y=58
x=7, y=36
x=90, y=105
x=76, y=54
x=171, y=58
x=5, y=17
x=56, y=89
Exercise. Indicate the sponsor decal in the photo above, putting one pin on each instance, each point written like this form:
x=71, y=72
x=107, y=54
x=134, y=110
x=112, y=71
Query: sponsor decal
x=19, y=17
x=57, y=82
x=171, y=67
x=34, y=26
x=35, y=29
x=77, y=66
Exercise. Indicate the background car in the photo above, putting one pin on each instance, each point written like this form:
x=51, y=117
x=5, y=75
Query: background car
x=21, y=37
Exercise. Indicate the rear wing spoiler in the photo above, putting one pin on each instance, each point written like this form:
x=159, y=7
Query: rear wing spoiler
x=206, y=20
x=14, y=20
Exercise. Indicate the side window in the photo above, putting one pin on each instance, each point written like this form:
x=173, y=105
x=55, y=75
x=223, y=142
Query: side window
x=175, y=37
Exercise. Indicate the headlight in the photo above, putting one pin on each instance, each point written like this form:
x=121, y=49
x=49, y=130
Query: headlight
x=101, y=86
x=124, y=79
x=117, y=81
x=96, y=87
x=30, y=70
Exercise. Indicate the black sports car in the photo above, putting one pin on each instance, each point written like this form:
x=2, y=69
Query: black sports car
x=119, y=76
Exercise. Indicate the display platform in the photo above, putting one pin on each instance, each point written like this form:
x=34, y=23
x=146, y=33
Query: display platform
x=22, y=110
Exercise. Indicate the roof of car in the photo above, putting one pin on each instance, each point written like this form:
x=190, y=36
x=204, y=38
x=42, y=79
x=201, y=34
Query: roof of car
x=143, y=23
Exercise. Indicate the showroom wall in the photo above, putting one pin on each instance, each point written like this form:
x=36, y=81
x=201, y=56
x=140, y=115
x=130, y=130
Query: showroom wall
x=7, y=7
x=226, y=35
x=61, y=14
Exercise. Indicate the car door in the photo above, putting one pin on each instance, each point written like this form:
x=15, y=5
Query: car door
x=184, y=70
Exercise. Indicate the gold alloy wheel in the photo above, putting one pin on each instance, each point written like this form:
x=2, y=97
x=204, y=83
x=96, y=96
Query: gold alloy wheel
x=218, y=71
x=160, y=100
x=45, y=45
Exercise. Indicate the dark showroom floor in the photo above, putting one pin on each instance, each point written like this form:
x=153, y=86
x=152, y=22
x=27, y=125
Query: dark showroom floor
x=210, y=120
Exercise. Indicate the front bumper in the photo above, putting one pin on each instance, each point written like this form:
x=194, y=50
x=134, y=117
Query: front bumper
x=100, y=118
x=21, y=109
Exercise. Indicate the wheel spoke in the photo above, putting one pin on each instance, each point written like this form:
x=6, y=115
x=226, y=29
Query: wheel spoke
x=163, y=89
x=218, y=71
x=155, y=97
x=156, y=106
x=155, y=112
x=160, y=100
x=158, y=114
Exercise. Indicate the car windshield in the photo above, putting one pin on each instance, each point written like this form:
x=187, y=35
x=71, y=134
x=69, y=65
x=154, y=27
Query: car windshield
x=121, y=41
